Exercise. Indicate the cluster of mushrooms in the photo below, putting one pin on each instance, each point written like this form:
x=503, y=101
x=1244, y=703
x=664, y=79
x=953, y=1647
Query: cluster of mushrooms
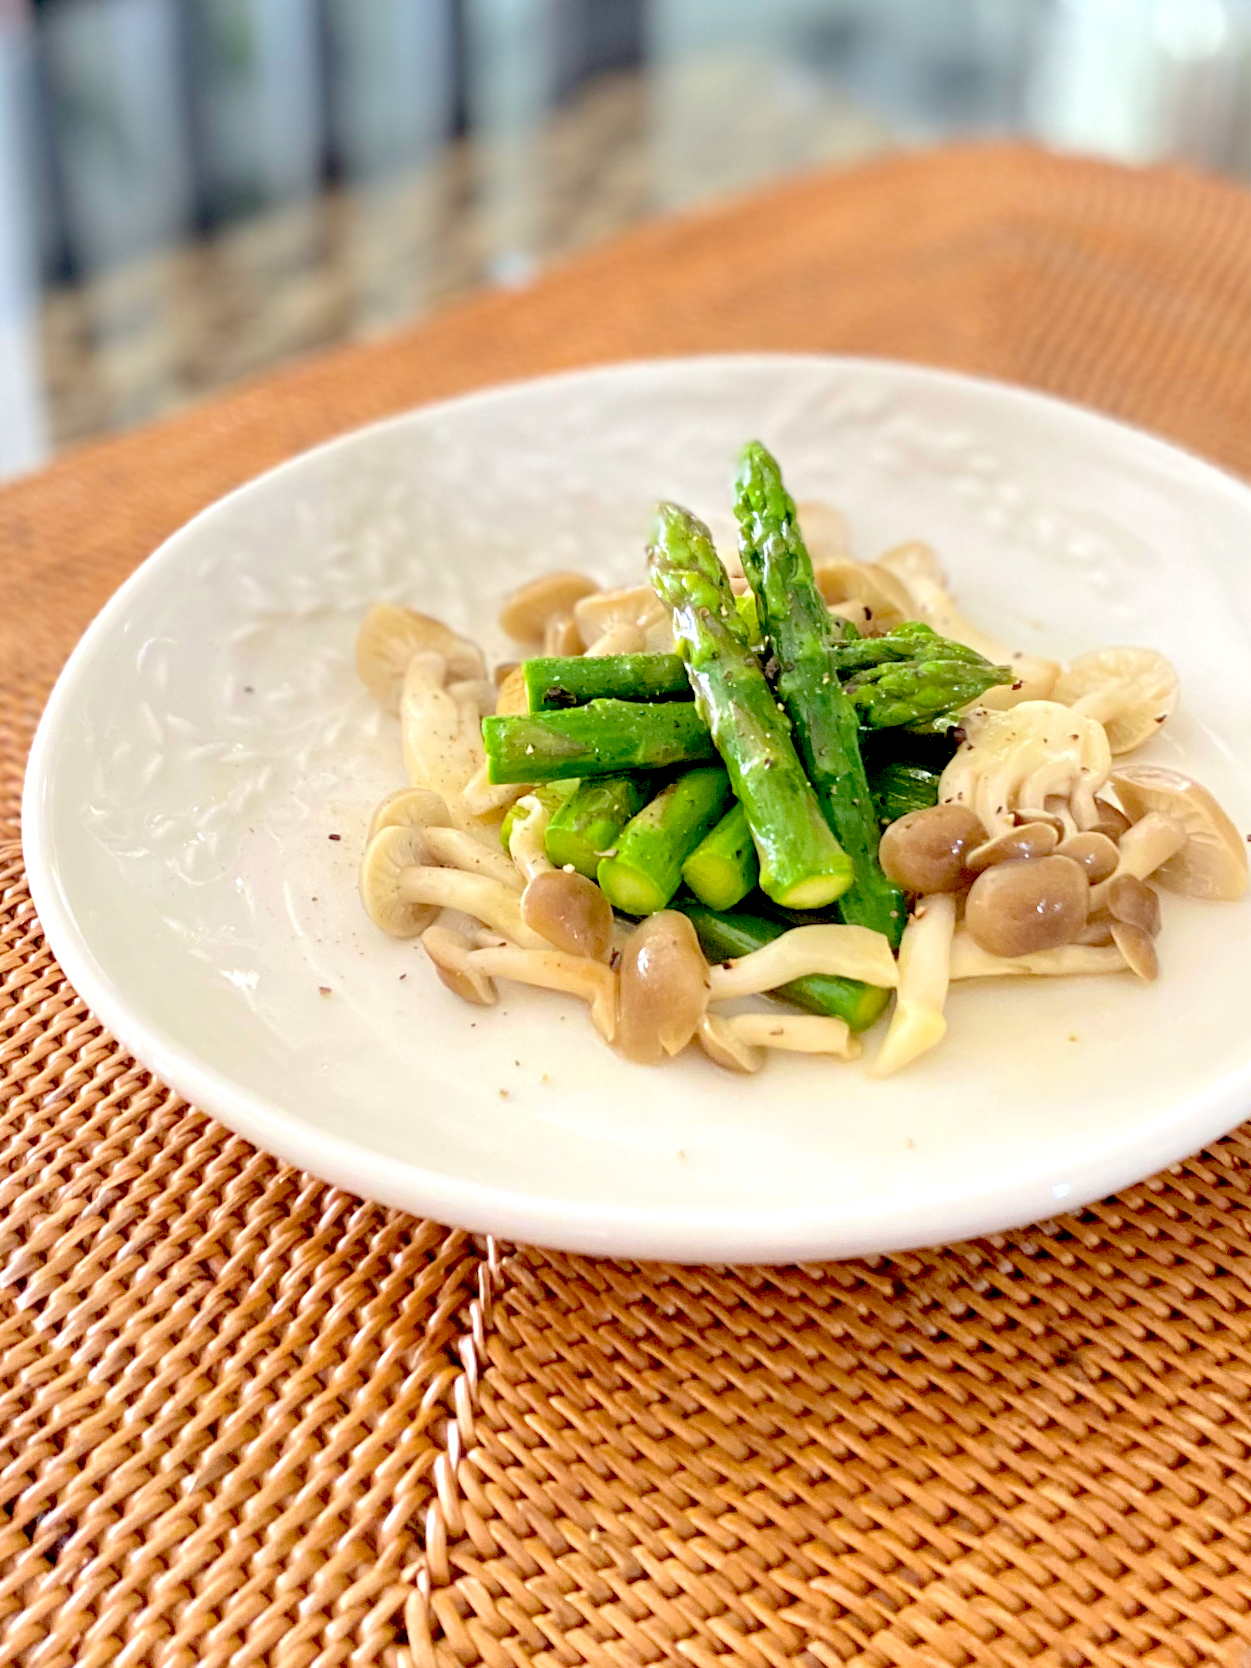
x=1042, y=857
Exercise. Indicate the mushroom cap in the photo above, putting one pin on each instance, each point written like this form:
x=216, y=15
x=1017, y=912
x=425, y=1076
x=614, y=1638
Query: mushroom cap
x=570, y=912
x=391, y=635
x=1213, y=862
x=410, y=808
x=1130, y=691
x=393, y=850
x=449, y=951
x=526, y=612
x=663, y=988
x=561, y=635
x=914, y=563
x=634, y=605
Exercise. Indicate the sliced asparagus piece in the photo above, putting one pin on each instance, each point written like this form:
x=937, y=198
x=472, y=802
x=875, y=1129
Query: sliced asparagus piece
x=651, y=849
x=725, y=937
x=570, y=682
x=899, y=788
x=803, y=636
x=724, y=868
x=603, y=738
x=587, y=825
x=801, y=862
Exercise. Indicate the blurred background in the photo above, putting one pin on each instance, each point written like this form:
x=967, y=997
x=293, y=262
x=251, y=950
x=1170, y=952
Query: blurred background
x=194, y=190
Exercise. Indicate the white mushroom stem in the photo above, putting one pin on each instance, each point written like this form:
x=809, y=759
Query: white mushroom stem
x=618, y=639
x=551, y=969
x=970, y=961
x=1142, y=849
x=846, y=952
x=526, y=840
x=477, y=895
x=795, y=1033
x=917, y=1023
x=452, y=848
x=481, y=797
x=441, y=736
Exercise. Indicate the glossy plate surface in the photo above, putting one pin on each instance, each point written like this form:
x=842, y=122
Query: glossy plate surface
x=199, y=789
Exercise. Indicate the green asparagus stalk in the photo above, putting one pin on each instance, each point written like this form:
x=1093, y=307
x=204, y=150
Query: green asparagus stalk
x=801, y=862
x=603, y=738
x=899, y=788
x=724, y=937
x=724, y=868
x=554, y=683
x=918, y=691
x=645, y=870
x=551, y=794
x=912, y=640
x=802, y=635
x=588, y=823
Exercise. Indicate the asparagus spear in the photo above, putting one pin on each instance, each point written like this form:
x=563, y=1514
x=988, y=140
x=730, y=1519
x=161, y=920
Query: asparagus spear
x=551, y=794
x=801, y=862
x=602, y=738
x=918, y=691
x=644, y=872
x=723, y=868
x=802, y=635
x=588, y=823
x=553, y=683
x=912, y=640
x=723, y=937
x=899, y=788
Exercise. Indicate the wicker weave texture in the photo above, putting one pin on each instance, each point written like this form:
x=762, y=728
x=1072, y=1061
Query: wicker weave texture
x=247, y=1419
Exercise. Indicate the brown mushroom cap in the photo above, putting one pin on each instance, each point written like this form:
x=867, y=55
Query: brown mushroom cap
x=570, y=912
x=1110, y=820
x=925, y=851
x=1016, y=908
x=1133, y=902
x=1027, y=841
x=449, y=951
x=388, y=639
x=525, y=614
x=1096, y=853
x=1213, y=862
x=663, y=988
x=1135, y=945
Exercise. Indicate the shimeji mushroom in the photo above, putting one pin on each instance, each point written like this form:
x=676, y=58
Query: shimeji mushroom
x=410, y=808
x=1212, y=863
x=402, y=890
x=725, y=1048
x=388, y=639
x=1142, y=849
x=441, y=735
x=636, y=606
x=450, y=952
x=795, y=1033
x=843, y=951
x=1016, y=908
x=619, y=639
x=450, y=847
x=1130, y=691
x=548, y=969
x=527, y=838
x=511, y=695
x=883, y=597
x=1018, y=760
x=970, y=961
x=570, y=912
x=561, y=635
x=663, y=991
x=916, y=565
x=917, y=1023
x=525, y=615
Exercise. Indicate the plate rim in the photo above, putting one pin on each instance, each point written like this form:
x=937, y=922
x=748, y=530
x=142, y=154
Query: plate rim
x=740, y=1235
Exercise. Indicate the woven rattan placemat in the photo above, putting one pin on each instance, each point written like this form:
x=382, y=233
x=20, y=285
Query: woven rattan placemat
x=247, y=1419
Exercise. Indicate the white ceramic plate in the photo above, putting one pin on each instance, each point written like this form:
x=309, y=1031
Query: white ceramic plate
x=208, y=741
